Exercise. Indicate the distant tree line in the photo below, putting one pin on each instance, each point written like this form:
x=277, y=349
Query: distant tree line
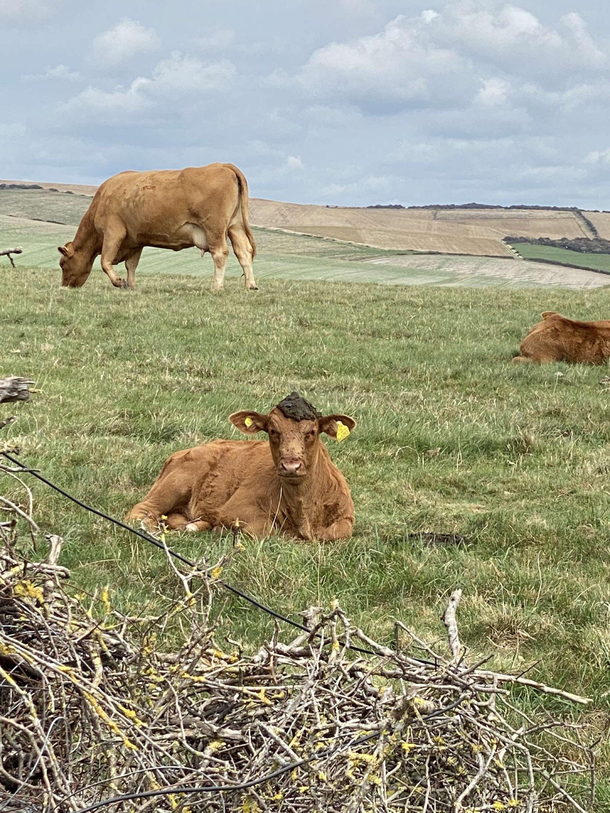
x=584, y=245
x=20, y=186
x=33, y=186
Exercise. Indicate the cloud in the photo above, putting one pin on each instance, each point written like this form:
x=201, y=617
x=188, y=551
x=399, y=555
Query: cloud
x=122, y=102
x=124, y=41
x=400, y=64
x=172, y=78
x=219, y=40
x=294, y=162
x=443, y=59
x=598, y=157
x=60, y=71
x=187, y=74
x=494, y=92
x=515, y=38
x=28, y=11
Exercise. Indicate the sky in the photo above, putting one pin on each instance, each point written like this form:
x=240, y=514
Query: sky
x=339, y=102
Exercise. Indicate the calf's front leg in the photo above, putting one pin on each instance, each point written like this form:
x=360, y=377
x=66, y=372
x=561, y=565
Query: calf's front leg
x=341, y=529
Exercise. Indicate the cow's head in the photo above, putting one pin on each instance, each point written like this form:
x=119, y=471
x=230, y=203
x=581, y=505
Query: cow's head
x=75, y=266
x=294, y=428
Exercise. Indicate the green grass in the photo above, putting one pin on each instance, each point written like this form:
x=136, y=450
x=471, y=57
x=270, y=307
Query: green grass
x=451, y=438
x=533, y=251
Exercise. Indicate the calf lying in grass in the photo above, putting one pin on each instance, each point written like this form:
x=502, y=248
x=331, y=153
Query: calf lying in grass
x=287, y=484
x=559, y=339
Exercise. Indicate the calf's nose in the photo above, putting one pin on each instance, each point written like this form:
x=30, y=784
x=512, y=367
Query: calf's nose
x=290, y=465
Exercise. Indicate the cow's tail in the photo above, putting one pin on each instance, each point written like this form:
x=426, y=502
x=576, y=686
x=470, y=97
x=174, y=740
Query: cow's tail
x=243, y=193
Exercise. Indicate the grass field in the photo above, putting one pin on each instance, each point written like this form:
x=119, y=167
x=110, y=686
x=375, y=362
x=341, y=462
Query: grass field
x=533, y=251
x=452, y=438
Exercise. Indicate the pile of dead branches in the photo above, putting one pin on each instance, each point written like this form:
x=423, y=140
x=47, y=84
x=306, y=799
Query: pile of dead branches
x=95, y=705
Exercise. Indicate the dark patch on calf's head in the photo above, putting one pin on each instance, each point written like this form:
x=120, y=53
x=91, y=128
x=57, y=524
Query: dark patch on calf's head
x=296, y=408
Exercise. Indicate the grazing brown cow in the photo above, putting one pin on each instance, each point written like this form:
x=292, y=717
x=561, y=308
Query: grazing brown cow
x=288, y=484
x=177, y=208
x=559, y=339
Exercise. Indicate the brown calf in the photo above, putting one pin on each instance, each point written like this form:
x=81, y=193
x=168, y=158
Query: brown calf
x=288, y=484
x=559, y=339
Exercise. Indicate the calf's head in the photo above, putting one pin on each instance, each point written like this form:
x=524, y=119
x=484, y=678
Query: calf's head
x=75, y=266
x=294, y=427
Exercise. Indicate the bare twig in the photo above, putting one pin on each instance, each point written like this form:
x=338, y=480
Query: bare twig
x=450, y=621
x=8, y=251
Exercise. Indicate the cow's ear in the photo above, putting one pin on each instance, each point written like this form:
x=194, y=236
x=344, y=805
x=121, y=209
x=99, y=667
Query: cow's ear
x=67, y=250
x=337, y=426
x=249, y=422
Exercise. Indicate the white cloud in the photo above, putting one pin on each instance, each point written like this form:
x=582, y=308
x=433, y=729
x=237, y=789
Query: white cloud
x=294, y=162
x=123, y=102
x=172, y=78
x=28, y=11
x=515, y=38
x=400, y=64
x=468, y=51
x=219, y=40
x=494, y=92
x=187, y=74
x=60, y=71
x=123, y=42
x=598, y=157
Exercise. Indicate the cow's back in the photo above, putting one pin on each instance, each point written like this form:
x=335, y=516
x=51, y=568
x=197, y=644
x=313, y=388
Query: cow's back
x=157, y=203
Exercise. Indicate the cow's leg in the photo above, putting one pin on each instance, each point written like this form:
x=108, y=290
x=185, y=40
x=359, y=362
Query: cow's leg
x=131, y=263
x=220, y=252
x=170, y=493
x=342, y=529
x=198, y=526
x=180, y=522
x=243, y=252
x=111, y=246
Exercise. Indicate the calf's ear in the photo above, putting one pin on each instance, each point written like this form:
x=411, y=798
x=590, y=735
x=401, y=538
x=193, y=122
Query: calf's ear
x=337, y=426
x=249, y=422
x=67, y=250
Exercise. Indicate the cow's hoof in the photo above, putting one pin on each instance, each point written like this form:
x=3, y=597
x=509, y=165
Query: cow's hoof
x=191, y=527
x=125, y=284
x=253, y=287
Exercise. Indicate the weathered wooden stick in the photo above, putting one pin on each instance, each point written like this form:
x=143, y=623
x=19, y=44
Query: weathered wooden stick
x=522, y=681
x=450, y=621
x=14, y=389
x=8, y=251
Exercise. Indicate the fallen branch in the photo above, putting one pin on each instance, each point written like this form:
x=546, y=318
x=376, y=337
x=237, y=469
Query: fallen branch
x=8, y=251
x=450, y=621
x=14, y=389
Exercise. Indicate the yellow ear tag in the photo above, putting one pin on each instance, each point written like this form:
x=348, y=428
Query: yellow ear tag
x=342, y=431
x=248, y=421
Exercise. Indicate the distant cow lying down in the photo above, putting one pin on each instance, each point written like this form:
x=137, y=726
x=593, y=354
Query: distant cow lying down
x=287, y=484
x=559, y=339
